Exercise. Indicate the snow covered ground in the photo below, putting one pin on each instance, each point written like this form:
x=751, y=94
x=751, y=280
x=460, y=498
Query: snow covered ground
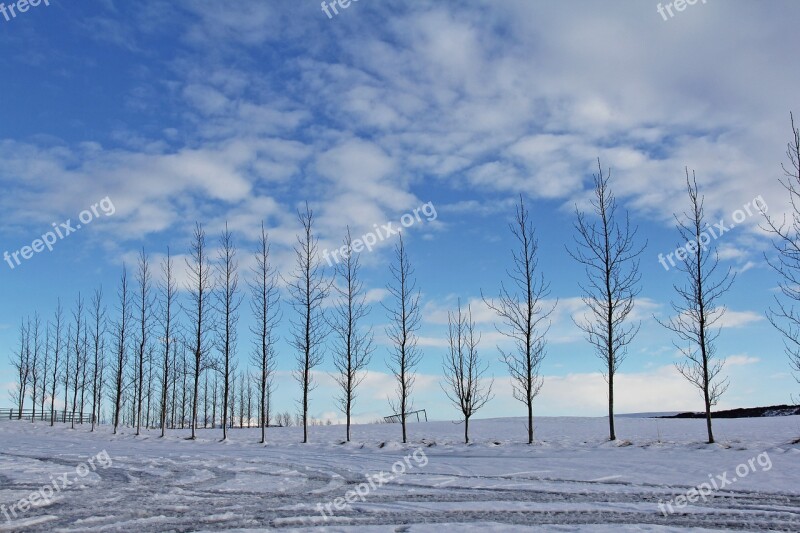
x=572, y=479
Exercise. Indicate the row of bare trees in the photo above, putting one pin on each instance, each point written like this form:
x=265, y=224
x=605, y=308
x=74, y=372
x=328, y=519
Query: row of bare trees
x=206, y=343
x=81, y=355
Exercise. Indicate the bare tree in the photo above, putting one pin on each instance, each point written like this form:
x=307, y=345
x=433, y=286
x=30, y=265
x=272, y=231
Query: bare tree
x=35, y=368
x=308, y=289
x=121, y=346
x=214, y=396
x=98, y=335
x=169, y=291
x=200, y=287
x=58, y=321
x=45, y=370
x=228, y=301
x=232, y=403
x=522, y=308
x=249, y=398
x=174, y=385
x=404, y=321
x=185, y=388
x=84, y=369
x=354, y=345
x=66, y=370
x=697, y=309
x=242, y=397
x=264, y=303
x=464, y=372
x=607, y=250
x=148, y=408
x=144, y=304
x=79, y=353
x=784, y=316
x=22, y=367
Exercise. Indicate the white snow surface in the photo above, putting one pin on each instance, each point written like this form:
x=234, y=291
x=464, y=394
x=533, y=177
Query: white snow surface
x=571, y=479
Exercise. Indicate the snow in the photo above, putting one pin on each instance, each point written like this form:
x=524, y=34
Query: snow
x=572, y=479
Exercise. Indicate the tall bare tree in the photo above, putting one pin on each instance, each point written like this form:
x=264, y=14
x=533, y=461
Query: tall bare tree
x=228, y=301
x=58, y=319
x=523, y=309
x=46, y=360
x=22, y=367
x=354, y=346
x=697, y=309
x=264, y=303
x=144, y=302
x=35, y=368
x=607, y=249
x=169, y=290
x=121, y=346
x=308, y=289
x=784, y=315
x=98, y=345
x=464, y=371
x=84, y=369
x=79, y=353
x=404, y=321
x=66, y=369
x=200, y=287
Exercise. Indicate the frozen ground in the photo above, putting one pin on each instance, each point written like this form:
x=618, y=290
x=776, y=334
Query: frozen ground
x=570, y=480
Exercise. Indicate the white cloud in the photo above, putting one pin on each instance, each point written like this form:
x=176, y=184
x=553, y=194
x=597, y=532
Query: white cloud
x=738, y=319
x=741, y=360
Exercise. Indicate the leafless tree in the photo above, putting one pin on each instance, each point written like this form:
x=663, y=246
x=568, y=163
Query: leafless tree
x=232, y=402
x=523, y=309
x=404, y=320
x=144, y=302
x=148, y=407
x=308, y=289
x=249, y=398
x=242, y=396
x=697, y=309
x=121, y=346
x=784, y=316
x=58, y=319
x=169, y=289
x=464, y=372
x=185, y=388
x=84, y=369
x=607, y=249
x=66, y=370
x=214, y=397
x=264, y=303
x=35, y=368
x=22, y=367
x=354, y=343
x=228, y=301
x=200, y=287
x=98, y=336
x=46, y=359
x=78, y=352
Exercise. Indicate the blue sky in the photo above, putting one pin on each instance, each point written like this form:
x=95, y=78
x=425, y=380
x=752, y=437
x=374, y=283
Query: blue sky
x=181, y=111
